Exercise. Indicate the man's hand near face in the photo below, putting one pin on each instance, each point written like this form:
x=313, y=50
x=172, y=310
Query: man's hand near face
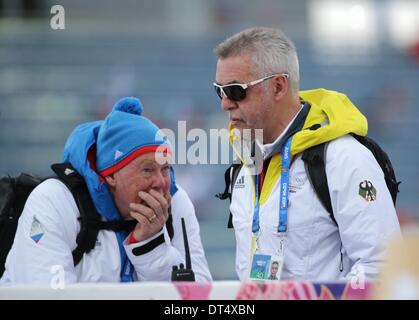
x=151, y=214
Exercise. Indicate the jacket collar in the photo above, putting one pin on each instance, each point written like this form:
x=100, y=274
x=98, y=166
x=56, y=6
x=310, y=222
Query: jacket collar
x=293, y=127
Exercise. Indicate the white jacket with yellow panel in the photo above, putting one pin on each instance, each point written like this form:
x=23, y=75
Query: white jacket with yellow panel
x=315, y=248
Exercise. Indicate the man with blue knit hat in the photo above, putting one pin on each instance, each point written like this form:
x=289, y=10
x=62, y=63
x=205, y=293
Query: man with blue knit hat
x=124, y=162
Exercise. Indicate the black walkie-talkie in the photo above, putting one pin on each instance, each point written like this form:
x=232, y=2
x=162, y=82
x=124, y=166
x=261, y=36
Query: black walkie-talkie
x=181, y=273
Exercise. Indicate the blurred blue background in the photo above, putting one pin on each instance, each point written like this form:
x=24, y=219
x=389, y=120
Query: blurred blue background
x=161, y=51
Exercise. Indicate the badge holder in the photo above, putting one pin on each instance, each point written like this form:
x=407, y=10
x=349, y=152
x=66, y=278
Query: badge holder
x=265, y=266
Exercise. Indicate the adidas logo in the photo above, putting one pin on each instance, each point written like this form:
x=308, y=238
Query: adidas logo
x=117, y=154
x=68, y=171
x=239, y=183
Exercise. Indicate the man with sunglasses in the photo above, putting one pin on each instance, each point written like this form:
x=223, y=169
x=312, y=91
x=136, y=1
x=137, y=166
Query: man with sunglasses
x=276, y=213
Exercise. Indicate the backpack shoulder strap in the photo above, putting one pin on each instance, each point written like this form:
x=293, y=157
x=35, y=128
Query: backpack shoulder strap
x=86, y=239
x=384, y=161
x=230, y=177
x=169, y=224
x=314, y=161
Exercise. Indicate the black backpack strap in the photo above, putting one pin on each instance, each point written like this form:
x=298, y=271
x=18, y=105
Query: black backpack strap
x=86, y=239
x=169, y=224
x=234, y=174
x=315, y=167
x=314, y=161
x=384, y=161
x=117, y=225
x=230, y=221
x=230, y=177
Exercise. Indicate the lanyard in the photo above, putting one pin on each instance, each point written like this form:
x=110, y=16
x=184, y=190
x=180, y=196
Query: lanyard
x=127, y=271
x=283, y=203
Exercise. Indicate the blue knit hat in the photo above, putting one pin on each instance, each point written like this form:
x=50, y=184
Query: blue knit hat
x=124, y=135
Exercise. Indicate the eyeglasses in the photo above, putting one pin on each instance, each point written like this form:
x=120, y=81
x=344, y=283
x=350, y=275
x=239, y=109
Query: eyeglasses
x=237, y=91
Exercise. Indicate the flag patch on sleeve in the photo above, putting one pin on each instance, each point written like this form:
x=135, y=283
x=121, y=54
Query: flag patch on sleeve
x=367, y=191
x=37, y=231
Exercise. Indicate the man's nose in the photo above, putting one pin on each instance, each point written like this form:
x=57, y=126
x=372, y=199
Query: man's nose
x=159, y=181
x=227, y=104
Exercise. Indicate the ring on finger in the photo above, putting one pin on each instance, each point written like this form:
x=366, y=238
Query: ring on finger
x=152, y=218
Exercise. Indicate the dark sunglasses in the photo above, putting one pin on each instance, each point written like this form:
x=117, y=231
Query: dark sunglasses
x=237, y=91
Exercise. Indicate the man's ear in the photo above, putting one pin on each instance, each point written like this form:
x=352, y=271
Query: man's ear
x=110, y=180
x=280, y=86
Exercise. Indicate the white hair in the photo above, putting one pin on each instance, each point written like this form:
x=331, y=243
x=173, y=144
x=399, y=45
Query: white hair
x=272, y=52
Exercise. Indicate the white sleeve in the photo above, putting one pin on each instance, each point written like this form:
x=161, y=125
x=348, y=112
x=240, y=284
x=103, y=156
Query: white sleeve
x=365, y=225
x=41, y=251
x=155, y=262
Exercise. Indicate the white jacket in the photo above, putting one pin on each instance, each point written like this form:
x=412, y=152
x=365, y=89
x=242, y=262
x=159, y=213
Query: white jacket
x=53, y=205
x=312, y=244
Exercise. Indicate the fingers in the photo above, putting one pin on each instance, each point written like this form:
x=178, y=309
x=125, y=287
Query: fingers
x=144, y=211
x=161, y=198
x=164, y=201
x=142, y=220
x=152, y=201
x=151, y=214
x=157, y=202
x=144, y=228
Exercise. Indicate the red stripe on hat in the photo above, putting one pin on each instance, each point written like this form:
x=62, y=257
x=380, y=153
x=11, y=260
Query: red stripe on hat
x=132, y=156
x=91, y=157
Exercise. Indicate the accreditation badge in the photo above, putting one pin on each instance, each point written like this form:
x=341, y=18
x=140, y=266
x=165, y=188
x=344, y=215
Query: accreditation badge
x=266, y=267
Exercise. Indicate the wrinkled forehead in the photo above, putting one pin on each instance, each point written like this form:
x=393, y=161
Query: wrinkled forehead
x=161, y=157
x=237, y=68
x=158, y=157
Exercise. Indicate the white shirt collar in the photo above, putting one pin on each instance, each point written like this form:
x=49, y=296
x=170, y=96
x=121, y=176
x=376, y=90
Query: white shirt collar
x=268, y=148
